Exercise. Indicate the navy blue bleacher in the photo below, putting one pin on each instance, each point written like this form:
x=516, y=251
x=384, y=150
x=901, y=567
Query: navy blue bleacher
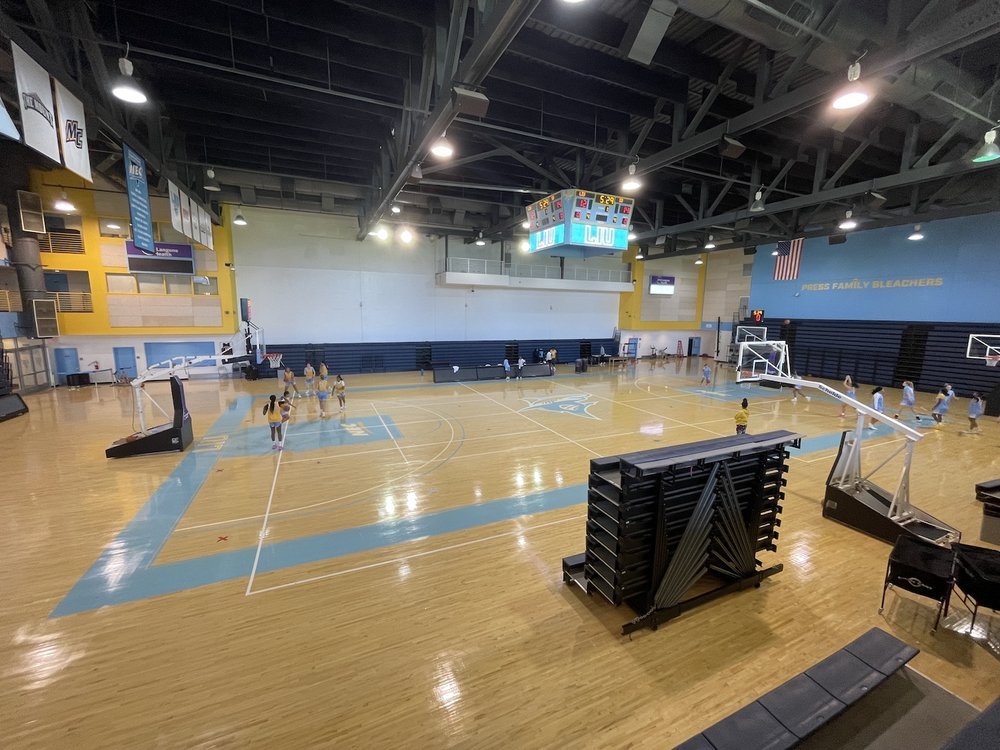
x=352, y=358
x=887, y=352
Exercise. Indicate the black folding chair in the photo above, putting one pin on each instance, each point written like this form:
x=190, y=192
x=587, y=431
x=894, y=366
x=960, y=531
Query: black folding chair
x=977, y=577
x=922, y=568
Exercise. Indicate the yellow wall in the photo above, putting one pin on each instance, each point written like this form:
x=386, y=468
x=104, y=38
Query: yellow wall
x=49, y=185
x=630, y=304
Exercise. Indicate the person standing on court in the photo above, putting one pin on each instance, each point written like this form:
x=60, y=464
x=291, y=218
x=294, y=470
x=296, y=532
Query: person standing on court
x=340, y=388
x=289, y=380
x=273, y=413
x=908, y=401
x=878, y=404
x=506, y=368
x=706, y=376
x=309, y=373
x=852, y=392
x=975, y=411
x=323, y=370
x=322, y=393
x=742, y=417
x=941, y=403
x=520, y=366
x=286, y=406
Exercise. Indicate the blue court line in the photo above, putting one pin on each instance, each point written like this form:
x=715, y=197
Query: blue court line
x=126, y=570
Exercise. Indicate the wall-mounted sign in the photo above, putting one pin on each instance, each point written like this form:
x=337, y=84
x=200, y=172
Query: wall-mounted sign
x=757, y=316
x=34, y=93
x=661, y=284
x=138, y=199
x=166, y=257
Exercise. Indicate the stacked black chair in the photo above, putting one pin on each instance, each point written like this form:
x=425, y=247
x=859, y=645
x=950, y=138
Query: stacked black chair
x=922, y=568
x=977, y=577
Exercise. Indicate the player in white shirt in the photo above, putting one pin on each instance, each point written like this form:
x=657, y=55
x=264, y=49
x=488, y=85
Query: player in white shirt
x=878, y=404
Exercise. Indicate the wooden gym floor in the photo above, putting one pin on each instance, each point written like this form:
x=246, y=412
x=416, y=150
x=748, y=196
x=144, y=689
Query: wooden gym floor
x=392, y=578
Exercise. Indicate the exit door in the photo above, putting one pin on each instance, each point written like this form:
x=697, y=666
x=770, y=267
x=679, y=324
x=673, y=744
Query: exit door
x=67, y=362
x=125, y=361
x=694, y=346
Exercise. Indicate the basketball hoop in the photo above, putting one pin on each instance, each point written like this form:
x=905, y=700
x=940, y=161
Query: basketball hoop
x=274, y=360
x=993, y=361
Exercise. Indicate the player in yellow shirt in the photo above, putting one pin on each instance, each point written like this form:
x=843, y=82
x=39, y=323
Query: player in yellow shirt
x=289, y=380
x=323, y=372
x=742, y=417
x=322, y=393
x=340, y=388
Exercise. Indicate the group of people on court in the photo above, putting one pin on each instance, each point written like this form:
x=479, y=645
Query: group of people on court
x=908, y=402
x=279, y=410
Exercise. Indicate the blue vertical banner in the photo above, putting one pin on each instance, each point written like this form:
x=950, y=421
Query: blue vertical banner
x=138, y=200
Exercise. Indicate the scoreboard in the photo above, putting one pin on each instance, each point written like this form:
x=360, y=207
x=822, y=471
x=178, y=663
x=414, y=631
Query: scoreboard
x=579, y=223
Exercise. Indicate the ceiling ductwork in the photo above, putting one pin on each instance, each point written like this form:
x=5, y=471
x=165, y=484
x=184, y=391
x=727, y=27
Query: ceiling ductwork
x=928, y=88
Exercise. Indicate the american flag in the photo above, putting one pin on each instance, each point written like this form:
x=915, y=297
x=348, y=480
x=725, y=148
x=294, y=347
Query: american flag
x=786, y=265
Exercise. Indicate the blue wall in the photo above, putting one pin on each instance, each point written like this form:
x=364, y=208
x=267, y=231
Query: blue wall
x=8, y=321
x=950, y=276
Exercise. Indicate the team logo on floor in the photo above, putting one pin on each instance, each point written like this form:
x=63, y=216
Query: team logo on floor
x=577, y=404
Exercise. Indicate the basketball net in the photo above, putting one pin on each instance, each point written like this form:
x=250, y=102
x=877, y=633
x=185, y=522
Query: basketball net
x=993, y=361
x=274, y=360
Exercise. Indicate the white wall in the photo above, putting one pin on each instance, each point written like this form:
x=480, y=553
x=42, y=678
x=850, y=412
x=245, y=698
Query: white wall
x=310, y=281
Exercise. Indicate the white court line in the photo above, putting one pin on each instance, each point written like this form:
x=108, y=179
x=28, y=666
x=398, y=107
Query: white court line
x=410, y=473
x=408, y=447
x=522, y=414
x=415, y=555
x=267, y=512
x=389, y=433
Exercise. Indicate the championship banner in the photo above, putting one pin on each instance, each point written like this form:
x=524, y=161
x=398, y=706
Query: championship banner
x=176, y=221
x=196, y=222
x=138, y=199
x=7, y=126
x=72, y=133
x=186, y=216
x=206, y=227
x=34, y=92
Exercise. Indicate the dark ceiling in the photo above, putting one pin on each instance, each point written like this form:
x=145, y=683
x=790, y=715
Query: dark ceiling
x=325, y=105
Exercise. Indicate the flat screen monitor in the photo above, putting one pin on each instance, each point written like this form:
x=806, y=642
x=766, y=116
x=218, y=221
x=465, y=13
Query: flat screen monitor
x=661, y=284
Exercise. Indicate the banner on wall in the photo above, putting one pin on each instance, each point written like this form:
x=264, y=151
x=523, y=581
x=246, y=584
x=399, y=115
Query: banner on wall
x=7, y=127
x=786, y=265
x=196, y=213
x=34, y=93
x=206, y=227
x=72, y=132
x=186, y=215
x=138, y=199
x=175, y=207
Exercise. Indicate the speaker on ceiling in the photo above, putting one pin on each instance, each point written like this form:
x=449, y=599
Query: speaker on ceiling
x=837, y=239
x=731, y=148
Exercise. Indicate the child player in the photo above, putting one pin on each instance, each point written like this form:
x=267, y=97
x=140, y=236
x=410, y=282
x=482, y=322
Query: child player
x=310, y=375
x=340, y=388
x=289, y=381
x=742, y=417
x=878, y=404
x=706, y=376
x=909, y=400
x=322, y=393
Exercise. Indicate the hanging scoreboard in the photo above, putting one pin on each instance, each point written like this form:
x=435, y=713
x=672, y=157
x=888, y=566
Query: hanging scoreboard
x=579, y=223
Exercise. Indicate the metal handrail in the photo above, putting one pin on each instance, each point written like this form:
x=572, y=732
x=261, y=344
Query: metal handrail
x=72, y=301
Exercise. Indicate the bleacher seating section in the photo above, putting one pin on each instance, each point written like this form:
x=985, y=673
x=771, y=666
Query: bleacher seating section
x=406, y=356
x=888, y=352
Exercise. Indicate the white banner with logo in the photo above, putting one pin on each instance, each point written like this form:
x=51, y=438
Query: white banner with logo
x=206, y=227
x=176, y=220
x=186, y=215
x=72, y=132
x=34, y=93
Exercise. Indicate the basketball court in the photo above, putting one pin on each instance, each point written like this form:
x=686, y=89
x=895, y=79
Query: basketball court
x=405, y=553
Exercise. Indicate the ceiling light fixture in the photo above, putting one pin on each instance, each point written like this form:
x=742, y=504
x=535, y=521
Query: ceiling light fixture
x=989, y=150
x=639, y=255
x=211, y=184
x=848, y=222
x=525, y=224
x=524, y=246
x=63, y=203
x=631, y=182
x=396, y=209
x=112, y=225
x=774, y=252
x=124, y=86
x=699, y=261
x=917, y=234
x=238, y=220
x=442, y=148
x=380, y=232
x=479, y=239
x=632, y=235
x=710, y=245
x=855, y=94
x=406, y=235
x=758, y=203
